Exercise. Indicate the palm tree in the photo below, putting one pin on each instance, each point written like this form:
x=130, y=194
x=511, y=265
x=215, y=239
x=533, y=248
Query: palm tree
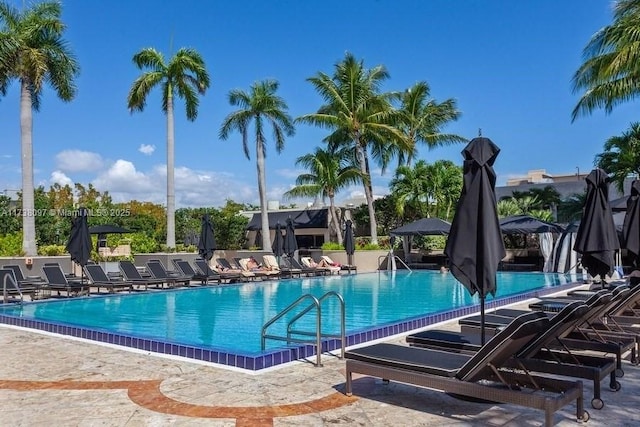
x=328, y=173
x=444, y=185
x=422, y=118
x=33, y=52
x=359, y=116
x=263, y=107
x=609, y=75
x=184, y=75
x=621, y=156
x=410, y=189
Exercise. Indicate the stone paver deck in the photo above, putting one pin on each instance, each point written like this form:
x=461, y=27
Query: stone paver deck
x=48, y=380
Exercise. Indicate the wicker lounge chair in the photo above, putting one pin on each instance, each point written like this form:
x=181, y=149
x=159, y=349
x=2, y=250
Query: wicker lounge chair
x=471, y=375
x=536, y=356
x=100, y=279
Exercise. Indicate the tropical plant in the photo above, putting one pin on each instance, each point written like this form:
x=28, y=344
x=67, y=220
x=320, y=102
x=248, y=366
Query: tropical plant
x=329, y=172
x=410, y=189
x=610, y=75
x=263, y=107
x=360, y=117
x=621, y=156
x=184, y=76
x=444, y=184
x=570, y=209
x=421, y=119
x=33, y=52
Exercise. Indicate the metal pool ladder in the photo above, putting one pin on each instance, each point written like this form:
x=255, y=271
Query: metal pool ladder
x=314, y=303
x=8, y=278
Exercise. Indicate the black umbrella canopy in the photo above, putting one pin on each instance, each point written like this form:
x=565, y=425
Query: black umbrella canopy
x=349, y=241
x=631, y=225
x=424, y=227
x=108, y=229
x=207, y=242
x=475, y=247
x=290, y=242
x=525, y=224
x=278, y=242
x=79, y=244
x=597, y=239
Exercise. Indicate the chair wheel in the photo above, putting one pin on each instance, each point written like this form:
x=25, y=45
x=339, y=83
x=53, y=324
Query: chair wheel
x=615, y=386
x=585, y=417
x=619, y=373
x=597, y=403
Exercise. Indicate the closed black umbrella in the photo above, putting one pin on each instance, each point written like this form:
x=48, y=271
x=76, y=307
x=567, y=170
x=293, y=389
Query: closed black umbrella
x=79, y=243
x=631, y=226
x=290, y=242
x=349, y=241
x=207, y=242
x=278, y=242
x=475, y=246
x=597, y=239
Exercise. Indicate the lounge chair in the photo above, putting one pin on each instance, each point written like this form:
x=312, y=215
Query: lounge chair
x=226, y=267
x=322, y=265
x=131, y=274
x=260, y=271
x=35, y=287
x=100, y=279
x=347, y=268
x=9, y=287
x=187, y=270
x=272, y=263
x=158, y=271
x=58, y=281
x=226, y=276
x=536, y=356
x=307, y=271
x=469, y=375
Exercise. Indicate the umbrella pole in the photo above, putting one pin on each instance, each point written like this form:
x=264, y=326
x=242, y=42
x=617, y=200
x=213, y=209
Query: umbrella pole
x=481, y=320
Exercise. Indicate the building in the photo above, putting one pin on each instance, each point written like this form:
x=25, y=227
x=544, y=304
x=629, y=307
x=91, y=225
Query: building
x=567, y=185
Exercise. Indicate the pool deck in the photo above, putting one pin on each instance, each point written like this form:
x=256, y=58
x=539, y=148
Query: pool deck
x=48, y=380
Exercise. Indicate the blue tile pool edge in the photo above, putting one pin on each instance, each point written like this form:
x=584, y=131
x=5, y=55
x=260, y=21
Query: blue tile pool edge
x=275, y=357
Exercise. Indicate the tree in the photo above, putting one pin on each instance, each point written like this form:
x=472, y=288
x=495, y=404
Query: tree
x=359, y=116
x=444, y=185
x=185, y=76
x=33, y=52
x=621, y=156
x=609, y=75
x=328, y=173
x=262, y=107
x=410, y=189
x=421, y=119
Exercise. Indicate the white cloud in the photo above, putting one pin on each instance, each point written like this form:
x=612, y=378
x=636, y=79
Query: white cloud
x=289, y=173
x=59, y=177
x=78, y=161
x=147, y=149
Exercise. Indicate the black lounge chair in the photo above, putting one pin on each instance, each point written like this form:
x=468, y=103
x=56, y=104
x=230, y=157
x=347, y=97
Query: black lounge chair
x=185, y=268
x=35, y=287
x=58, y=281
x=479, y=376
x=309, y=271
x=100, y=279
x=536, y=356
x=158, y=271
x=228, y=277
x=131, y=274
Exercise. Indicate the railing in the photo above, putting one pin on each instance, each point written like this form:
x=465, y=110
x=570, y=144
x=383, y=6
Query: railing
x=317, y=303
x=395, y=257
x=5, y=296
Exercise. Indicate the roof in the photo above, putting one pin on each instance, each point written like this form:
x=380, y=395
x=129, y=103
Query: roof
x=306, y=218
x=423, y=227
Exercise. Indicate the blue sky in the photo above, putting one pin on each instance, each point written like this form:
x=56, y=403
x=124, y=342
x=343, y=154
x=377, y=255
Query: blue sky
x=507, y=63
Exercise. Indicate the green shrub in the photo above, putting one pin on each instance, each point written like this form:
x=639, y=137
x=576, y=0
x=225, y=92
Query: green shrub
x=332, y=246
x=143, y=244
x=192, y=249
x=11, y=244
x=52, y=250
x=370, y=247
x=430, y=242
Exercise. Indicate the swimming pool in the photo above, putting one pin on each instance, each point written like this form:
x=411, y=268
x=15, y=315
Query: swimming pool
x=223, y=323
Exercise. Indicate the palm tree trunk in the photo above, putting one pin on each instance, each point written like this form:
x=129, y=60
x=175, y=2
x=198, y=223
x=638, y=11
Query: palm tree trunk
x=368, y=192
x=171, y=195
x=334, y=219
x=262, y=190
x=29, y=246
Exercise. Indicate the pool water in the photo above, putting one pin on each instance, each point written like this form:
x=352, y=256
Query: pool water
x=230, y=317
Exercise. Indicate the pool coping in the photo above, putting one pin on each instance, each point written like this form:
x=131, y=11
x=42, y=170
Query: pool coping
x=271, y=358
